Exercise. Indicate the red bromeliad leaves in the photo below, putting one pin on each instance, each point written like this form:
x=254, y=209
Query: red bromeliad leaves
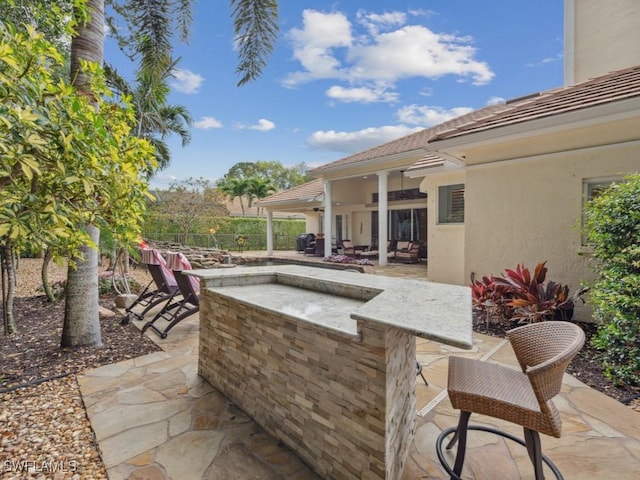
x=519, y=295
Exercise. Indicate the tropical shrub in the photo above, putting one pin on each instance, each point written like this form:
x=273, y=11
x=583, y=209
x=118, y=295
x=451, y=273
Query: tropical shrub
x=522, y=296
x=612, y=228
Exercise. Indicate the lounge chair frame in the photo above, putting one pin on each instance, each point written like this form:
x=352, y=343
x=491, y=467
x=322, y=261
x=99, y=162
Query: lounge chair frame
x=177, y=310
x=162, y=287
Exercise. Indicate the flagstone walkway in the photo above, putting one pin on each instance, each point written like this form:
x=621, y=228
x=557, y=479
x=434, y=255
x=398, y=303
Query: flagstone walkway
x=155, y=418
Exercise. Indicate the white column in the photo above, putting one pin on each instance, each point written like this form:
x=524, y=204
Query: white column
x=327, y=218
x=383, y=215
x=269, y=232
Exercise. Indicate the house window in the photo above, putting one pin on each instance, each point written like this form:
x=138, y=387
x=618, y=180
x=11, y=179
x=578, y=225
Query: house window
x=451, y=203
x=591, y=189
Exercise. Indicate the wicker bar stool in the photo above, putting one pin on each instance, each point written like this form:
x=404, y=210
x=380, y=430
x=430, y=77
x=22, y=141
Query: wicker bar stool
x=544, y=350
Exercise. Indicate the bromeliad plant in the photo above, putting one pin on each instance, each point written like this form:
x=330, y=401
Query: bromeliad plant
x=522, y=296
x=490, y=300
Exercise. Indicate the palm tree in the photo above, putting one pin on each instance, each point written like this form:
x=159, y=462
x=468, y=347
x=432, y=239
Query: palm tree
x=235, y=188
x=155, y=119
x=255, y=26
x=81, y=320
x=259, y=188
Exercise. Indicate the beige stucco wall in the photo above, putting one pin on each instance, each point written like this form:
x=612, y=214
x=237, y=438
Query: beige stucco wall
x=600, y=36
x=528, y=211
x=445, y=243
x=313, y=222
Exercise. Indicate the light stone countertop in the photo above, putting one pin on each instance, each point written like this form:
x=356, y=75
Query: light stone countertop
x=435, y=311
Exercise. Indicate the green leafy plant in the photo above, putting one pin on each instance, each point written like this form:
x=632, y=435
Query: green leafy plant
x=612, y=228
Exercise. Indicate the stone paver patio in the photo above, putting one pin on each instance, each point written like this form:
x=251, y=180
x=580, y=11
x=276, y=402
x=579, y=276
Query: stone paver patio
x=155, y=418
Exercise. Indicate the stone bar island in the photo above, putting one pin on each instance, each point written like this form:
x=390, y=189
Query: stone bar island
x=325, y=360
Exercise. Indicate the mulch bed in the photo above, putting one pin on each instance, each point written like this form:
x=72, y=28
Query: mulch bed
x=34, y=353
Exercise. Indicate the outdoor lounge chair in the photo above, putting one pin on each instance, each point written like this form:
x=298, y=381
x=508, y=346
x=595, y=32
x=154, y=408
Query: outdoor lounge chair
x=348, y=248
x=408, y=254
x=544, y=351
x=161, y=288
x=189, y=287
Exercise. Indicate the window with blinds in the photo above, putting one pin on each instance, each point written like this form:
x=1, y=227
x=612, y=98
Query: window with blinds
x=451, y=203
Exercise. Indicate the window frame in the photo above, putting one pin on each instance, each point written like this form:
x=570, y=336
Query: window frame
x=589, y=192
x=448, y=196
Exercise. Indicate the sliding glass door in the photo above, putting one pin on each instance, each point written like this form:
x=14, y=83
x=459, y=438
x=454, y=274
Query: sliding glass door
x=408, y=224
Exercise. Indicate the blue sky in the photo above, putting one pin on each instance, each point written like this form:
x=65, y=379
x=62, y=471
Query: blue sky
x=349, y=75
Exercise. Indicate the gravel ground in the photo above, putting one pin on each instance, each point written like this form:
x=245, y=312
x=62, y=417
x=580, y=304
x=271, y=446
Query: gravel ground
x=44, y=429
x=46, y=434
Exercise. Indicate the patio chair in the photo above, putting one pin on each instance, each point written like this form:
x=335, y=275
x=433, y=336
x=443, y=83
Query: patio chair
x=348, y=248
x=410, y=254
x=189, y=288
x=162, y=287
x=544, y=350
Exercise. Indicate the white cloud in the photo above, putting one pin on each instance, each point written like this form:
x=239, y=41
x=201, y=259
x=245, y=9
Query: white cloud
x=207, y=123
x=361, y=94
x=263, y=125
x=374, y=22
x=186, y=81
x=429, y=116
x=558, y=58
x=314, y=44
x=416, y=51
x=352, y=142
x=329, y=47
x=495, y=101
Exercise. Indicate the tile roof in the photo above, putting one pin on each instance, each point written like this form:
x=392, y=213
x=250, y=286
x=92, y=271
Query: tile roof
x=430, y=160
x=308, y=190
x=409, y=143
x=612, y=87
x=609, y=88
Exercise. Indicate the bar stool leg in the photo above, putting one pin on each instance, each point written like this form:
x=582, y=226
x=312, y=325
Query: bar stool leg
x=461, y=437
x=534, y=449
x=419, y=369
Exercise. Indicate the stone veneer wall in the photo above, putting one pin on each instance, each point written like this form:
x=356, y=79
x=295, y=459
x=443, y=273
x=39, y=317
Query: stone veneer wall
x=345, y=405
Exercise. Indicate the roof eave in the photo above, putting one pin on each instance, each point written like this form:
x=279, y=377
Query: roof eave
x=423, y=172
x=585, y=117
x=318, y=172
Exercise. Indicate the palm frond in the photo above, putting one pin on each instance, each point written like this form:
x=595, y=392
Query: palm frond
x=256, y=29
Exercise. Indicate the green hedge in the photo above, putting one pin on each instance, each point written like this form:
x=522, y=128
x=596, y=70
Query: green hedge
x=612, y=226
x=229, y=232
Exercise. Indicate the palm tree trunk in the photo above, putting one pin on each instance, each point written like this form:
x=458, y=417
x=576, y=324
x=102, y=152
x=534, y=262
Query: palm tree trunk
x=81, y=315
x=81, y=319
